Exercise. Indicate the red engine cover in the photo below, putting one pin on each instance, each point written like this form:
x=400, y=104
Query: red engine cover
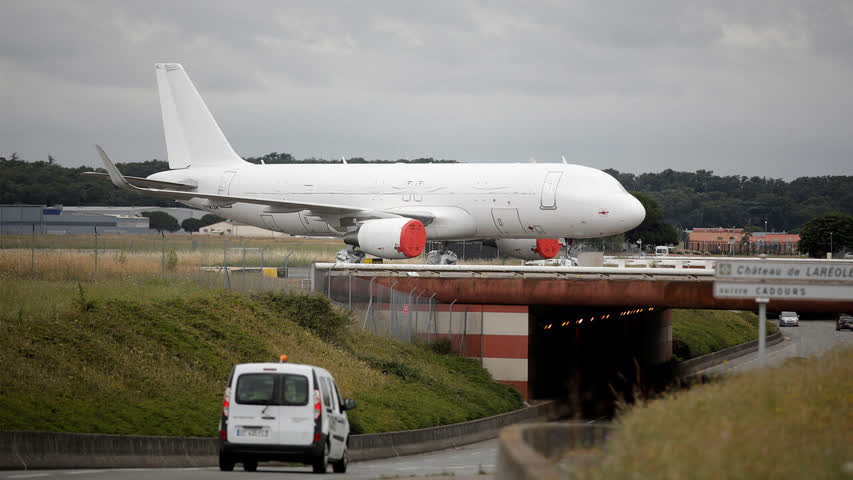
x=412, y=239
x=547, y=247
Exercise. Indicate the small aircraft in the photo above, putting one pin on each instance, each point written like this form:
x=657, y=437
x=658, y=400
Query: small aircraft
x=527, y=210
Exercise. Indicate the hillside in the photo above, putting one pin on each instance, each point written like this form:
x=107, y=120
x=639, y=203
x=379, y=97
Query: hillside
x=153, y=358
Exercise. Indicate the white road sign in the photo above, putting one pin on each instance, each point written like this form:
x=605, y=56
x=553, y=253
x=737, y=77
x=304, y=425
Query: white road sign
x=785, y=270
x=779, y=291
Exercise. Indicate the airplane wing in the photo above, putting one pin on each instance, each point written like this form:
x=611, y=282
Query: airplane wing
x=147, y=183
x=274, y=206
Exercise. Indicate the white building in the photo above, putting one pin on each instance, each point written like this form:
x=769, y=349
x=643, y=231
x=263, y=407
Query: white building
x=239, y=230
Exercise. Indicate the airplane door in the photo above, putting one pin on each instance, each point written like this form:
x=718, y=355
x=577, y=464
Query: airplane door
x=225, y=182
x=507, y=220
x=549, y=191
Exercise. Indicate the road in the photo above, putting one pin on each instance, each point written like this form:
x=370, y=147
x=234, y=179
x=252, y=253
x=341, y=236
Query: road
x=812, y=337
x=466, y=460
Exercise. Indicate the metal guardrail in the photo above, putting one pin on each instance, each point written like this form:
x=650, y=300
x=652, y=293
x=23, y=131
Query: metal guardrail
x=492, y=271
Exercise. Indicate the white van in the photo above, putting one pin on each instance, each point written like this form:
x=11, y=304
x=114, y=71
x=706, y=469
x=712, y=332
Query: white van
x=283, y=412
x=661, y=251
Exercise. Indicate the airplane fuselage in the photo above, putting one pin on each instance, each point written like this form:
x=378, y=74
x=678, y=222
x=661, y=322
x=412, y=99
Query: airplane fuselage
x=469, y=201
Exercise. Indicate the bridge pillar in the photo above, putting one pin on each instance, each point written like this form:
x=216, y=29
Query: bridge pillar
x=657, y=333
x=506, y=344
x=497, y=335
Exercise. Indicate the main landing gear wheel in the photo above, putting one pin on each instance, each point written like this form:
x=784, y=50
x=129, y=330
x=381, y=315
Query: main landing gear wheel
x=350, y=255
x=441, y=257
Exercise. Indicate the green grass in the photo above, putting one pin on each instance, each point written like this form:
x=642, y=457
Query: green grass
x=700, y=332
x=153, y=358
x=795, y=421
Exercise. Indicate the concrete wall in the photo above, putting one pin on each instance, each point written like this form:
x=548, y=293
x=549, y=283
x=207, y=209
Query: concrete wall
x=52, y=450
x=494, y=334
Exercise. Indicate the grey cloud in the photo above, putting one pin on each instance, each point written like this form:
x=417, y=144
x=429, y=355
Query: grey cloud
x=637, y=86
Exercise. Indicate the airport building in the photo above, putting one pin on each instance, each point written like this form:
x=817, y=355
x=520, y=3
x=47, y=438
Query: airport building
x=40, y=219
x=239, y=230
x=731, y=240
x=59, y=220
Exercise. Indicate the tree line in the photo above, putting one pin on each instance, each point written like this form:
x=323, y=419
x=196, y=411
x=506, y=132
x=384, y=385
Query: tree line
x=682, y=199
x=702, y=199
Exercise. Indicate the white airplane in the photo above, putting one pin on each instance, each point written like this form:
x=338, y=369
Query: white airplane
x=389, y=211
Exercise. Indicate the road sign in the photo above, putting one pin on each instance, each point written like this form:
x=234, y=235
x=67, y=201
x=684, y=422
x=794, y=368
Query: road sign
x=785, y=270
x=766, y=280
x=405, y=308
x=782, y=291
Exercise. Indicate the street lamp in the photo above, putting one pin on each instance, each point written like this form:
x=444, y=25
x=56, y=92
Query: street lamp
x=830, y=242
x=765, y=225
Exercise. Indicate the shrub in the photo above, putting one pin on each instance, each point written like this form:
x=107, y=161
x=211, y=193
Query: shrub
x=82, y=303
x=393, y=367
x=441, y=346
x=171, y=260
x=313, y=311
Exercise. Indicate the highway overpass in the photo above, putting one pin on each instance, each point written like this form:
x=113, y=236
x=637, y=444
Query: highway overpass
x=547, y=330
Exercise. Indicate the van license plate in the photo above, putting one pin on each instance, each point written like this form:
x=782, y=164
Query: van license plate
x=253, y=432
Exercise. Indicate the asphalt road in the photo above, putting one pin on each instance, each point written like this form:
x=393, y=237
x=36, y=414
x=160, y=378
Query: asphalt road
x=466, y=460
x=812, y=337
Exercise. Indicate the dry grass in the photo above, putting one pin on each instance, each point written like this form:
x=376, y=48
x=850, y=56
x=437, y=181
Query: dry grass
x=129, y=257
x=795, y=421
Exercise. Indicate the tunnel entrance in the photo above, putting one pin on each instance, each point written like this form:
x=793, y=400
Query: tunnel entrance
x=594, y=357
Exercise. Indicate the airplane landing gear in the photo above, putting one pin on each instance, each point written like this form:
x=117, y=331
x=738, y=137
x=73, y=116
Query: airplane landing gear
x=570, y=258
x=350, y=255
x=441, y=257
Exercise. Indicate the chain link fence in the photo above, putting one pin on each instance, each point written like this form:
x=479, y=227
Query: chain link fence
x=239, y=264
x=413, y=316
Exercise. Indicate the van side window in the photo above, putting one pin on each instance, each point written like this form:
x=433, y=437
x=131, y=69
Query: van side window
x=333, y=404
x=256, y=389
x=324, y=388
x=336, y=396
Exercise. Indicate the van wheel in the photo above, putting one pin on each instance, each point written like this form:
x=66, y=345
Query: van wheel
x=250, y=465
x=321, y=464
x=226, y=463
x=341, y=465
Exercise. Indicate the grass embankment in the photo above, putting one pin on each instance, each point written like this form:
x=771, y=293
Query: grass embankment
x=153, y=358
x=795, y=421
x=700, y=332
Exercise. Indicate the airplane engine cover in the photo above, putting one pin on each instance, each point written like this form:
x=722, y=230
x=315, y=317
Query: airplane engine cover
x=392, y=237
x=529, y=248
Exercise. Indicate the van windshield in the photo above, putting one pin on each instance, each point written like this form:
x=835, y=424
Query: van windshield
x=272, y=389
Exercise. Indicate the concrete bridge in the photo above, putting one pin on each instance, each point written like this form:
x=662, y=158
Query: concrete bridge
x=548, y=330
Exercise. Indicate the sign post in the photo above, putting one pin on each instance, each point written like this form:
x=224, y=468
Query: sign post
x=781, y=280
x=762, y=329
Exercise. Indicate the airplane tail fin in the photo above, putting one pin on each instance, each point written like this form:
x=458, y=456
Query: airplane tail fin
x=192, y=135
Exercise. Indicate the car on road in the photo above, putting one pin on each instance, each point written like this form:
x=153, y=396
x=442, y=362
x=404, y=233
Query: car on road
x=283, y=412
x=844, y=321
x=789, y=319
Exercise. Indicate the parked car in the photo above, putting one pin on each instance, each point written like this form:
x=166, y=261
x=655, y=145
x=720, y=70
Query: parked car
x=283, y=412
x=789, y=319
x=844, y=321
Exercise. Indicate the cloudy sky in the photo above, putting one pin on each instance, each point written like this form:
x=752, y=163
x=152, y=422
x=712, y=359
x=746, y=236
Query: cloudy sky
x=748, y=88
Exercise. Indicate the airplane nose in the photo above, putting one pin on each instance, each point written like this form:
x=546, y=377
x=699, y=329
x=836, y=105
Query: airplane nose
x=635, y=213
